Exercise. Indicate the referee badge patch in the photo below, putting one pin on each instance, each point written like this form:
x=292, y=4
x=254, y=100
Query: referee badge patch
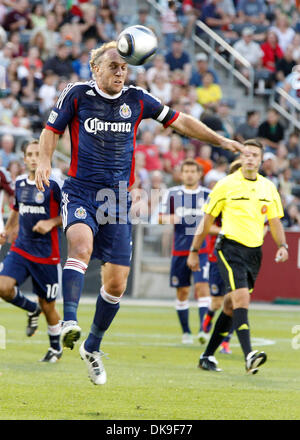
x=80, y=213
x=264, y=209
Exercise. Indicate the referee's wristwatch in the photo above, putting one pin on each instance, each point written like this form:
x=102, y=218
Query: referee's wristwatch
x=285, y=245
x=193, y=249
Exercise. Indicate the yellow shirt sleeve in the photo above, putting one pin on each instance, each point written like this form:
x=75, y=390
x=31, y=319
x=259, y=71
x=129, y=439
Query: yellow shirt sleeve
x=215, y=201
x=275, y=208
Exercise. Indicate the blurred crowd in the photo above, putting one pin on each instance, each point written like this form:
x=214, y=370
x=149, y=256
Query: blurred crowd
x=44, y=45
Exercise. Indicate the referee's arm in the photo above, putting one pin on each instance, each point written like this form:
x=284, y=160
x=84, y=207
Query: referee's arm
x=278, y=235
x=204, y=228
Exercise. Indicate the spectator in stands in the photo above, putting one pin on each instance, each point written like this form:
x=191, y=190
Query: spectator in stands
x=224, y=113
x=284, y=65
x=272, y=51
x=60, y=63
x=252, y=12
x=18, y=47
x=204, y=159
x=141, y=172
x=269, y=168
x=50, y=33
x=15, y=169
x=216, y=18
x=170, y=24
x=285, y=33
x=271, y=131
x=37, y=16
x=33, y=59
x=19, y=17
x=201, y=68
x=288, y=8
x=20, y=118
x=177, y=58
x=144, y=18
x=6, y=55
x=175, y=155
x=282, y=158
x=141, y=79
x=293, y=145
x=150, y=150
x=195, y=109
x=294, y=217
x=209, y=94
x=217, y=173
x=291, y=85
x=249, y=128
x=8, y=105
x=159, y=66
x=249, y=49
x=81, y=65
x=88, y=25
x=108, y=27
x=39, y=40
x=47, y=93
x=161, y=88
x=7, y=151
x=296, y=46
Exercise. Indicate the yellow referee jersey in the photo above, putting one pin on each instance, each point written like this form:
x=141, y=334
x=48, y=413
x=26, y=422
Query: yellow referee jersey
x=245, y=205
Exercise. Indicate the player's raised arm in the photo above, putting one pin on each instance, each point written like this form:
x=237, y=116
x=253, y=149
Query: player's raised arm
x=48, y=142
x=189, y=126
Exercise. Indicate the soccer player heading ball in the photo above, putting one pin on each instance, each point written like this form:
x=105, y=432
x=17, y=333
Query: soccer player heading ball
x=103, y=117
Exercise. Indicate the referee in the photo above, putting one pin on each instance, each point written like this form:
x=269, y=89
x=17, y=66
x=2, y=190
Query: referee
x=245, y=199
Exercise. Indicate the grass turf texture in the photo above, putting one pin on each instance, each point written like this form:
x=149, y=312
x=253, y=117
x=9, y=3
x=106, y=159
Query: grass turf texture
x=151, y=375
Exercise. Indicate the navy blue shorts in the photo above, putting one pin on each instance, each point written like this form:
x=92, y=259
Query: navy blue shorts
x=216, y=283
x=107, y=216
x=180, y=275
x=45, y=277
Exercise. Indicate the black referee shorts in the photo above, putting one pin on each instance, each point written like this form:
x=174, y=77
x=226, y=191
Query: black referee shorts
x=238, y=265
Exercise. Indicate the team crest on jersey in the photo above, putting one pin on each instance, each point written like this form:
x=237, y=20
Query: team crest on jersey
x=214, y=289
x=125, y=111
x=39, y=197
x=264, y=209
x=52, y=117
x=80, y=213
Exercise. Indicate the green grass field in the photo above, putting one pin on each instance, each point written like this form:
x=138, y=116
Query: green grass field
x=150, y=374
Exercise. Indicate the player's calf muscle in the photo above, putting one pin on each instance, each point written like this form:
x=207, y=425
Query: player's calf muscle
x=7, y=288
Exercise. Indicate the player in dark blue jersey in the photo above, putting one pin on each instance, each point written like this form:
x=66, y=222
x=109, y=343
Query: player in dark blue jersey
x=35, y=251
x=103, y=117
x=183, y=208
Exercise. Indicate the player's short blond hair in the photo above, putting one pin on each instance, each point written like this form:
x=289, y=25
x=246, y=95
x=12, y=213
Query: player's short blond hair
x=96, y=54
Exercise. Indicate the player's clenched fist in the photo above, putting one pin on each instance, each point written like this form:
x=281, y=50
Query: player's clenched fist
x=193, y=261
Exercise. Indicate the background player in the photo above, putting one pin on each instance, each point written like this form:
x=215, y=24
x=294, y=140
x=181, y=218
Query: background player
x=5, y=187
x=103, y=117
x=244, y=198
x=183, y=208
x=35, y=252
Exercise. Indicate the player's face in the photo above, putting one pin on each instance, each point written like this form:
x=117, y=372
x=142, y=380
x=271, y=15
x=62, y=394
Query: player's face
x=111, y=74
x=251, y=158
x=190, y=176
x=31, y=157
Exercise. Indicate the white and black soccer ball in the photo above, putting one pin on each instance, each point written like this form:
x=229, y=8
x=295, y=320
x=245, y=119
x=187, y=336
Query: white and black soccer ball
x=137, y=45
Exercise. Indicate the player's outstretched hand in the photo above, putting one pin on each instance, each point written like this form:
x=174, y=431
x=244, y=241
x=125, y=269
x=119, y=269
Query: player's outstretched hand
x=42, y=175
x=193, y=261
x=234, y=146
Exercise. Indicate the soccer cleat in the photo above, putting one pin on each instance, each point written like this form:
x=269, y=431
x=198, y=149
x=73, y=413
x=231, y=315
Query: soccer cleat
x=187, y=338
x=70, y=333
x=225, y=348
x=32, y=323
x=96, y=371
x=208, y=363
x=202, y=337
x=52, y=356
x=253, y=360
x=206, y=324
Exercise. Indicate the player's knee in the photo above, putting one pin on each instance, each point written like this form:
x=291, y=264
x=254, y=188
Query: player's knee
x=6, y=289
x=116, y=287
x=81, y=251
x=183, y=293
x=46, y=307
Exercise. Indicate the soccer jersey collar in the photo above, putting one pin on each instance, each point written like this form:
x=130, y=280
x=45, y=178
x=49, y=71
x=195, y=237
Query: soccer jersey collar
x=105, y=95
x=30, y=182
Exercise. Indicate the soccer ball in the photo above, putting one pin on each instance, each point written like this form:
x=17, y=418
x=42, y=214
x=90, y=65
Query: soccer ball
x=137, y=45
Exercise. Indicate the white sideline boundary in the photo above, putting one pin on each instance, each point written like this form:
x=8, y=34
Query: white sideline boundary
x=145, y=302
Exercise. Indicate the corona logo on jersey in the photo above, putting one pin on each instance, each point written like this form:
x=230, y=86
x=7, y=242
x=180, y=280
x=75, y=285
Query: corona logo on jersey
x=28, y=209
x=94, y=125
